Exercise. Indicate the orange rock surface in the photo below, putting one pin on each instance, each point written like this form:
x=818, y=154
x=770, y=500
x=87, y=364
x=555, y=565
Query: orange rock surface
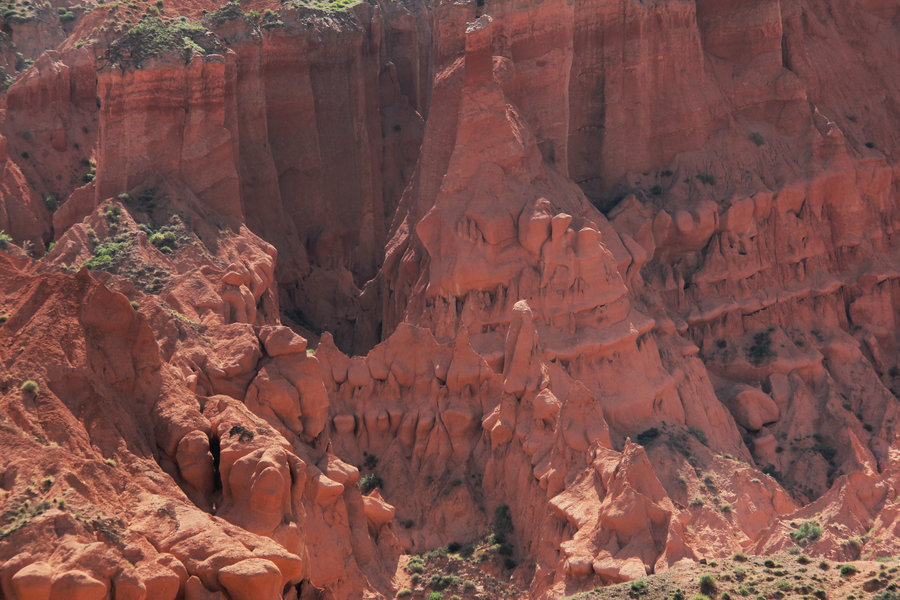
x=304, y=291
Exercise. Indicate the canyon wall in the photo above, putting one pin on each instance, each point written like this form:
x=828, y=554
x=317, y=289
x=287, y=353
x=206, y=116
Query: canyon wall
x=625, y=272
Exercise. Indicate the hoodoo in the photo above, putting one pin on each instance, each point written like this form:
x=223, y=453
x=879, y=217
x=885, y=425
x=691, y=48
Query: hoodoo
x=433, y=299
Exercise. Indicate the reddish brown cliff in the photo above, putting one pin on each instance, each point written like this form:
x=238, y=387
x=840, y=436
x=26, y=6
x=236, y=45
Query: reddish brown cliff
x=594, y=287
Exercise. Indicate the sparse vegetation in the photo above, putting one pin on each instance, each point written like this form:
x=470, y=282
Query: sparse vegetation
x=164, y=240
x=707, y=584
x=761, y=348
x=638, y=585
x=443, y=582
x=415, y=565
x=698, y=433
x=326, y=5
x=503, y=524
x=22, y=515
x=647, y=437
x=109, y=254
x=848, y=570
x=706, y=178
x=30, y=386
x=5, y=240
x=756, y=577
x=369, y=482
x=154, y=37
x=807, y=532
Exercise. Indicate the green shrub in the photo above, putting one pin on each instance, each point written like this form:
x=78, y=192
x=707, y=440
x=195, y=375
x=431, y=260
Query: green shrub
x=647, y=437
x=31, y=386
x=108, y=254
x=761, y=348
x=112, y=213
x=165, y=241
x=415, y=565
x=698, y=433
x=707, y=178
x=442, y=582
x=638, y=585
x=803, y=560
x=404, y=593
x=435, y=596
x=807, y=532
x=739, y=557
x=5, y=240
x=51, y=203
x=503, y=524
x=848, y=570
x=369, y=482
x=230, y=11
x=757, y=138
x=67, y=16
x=707, y=584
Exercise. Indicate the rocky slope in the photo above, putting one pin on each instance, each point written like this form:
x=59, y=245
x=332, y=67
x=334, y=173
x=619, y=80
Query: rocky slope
x=594, y=288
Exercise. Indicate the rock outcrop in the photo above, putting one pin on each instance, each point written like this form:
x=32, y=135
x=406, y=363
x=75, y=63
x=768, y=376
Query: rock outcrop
x=587, y=288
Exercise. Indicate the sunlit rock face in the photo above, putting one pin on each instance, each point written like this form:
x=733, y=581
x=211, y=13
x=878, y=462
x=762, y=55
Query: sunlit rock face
x=301, y=292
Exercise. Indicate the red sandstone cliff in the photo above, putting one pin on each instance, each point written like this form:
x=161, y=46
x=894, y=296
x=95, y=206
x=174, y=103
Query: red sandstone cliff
x=627, y=270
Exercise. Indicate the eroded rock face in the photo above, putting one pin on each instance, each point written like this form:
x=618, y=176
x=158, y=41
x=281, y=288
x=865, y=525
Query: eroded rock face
x=689, y=372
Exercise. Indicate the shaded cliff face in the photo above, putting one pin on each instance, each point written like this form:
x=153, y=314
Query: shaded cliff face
x=595, y=287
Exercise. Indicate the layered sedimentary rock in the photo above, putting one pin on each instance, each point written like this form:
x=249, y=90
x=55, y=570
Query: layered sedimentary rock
x=625, y=272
